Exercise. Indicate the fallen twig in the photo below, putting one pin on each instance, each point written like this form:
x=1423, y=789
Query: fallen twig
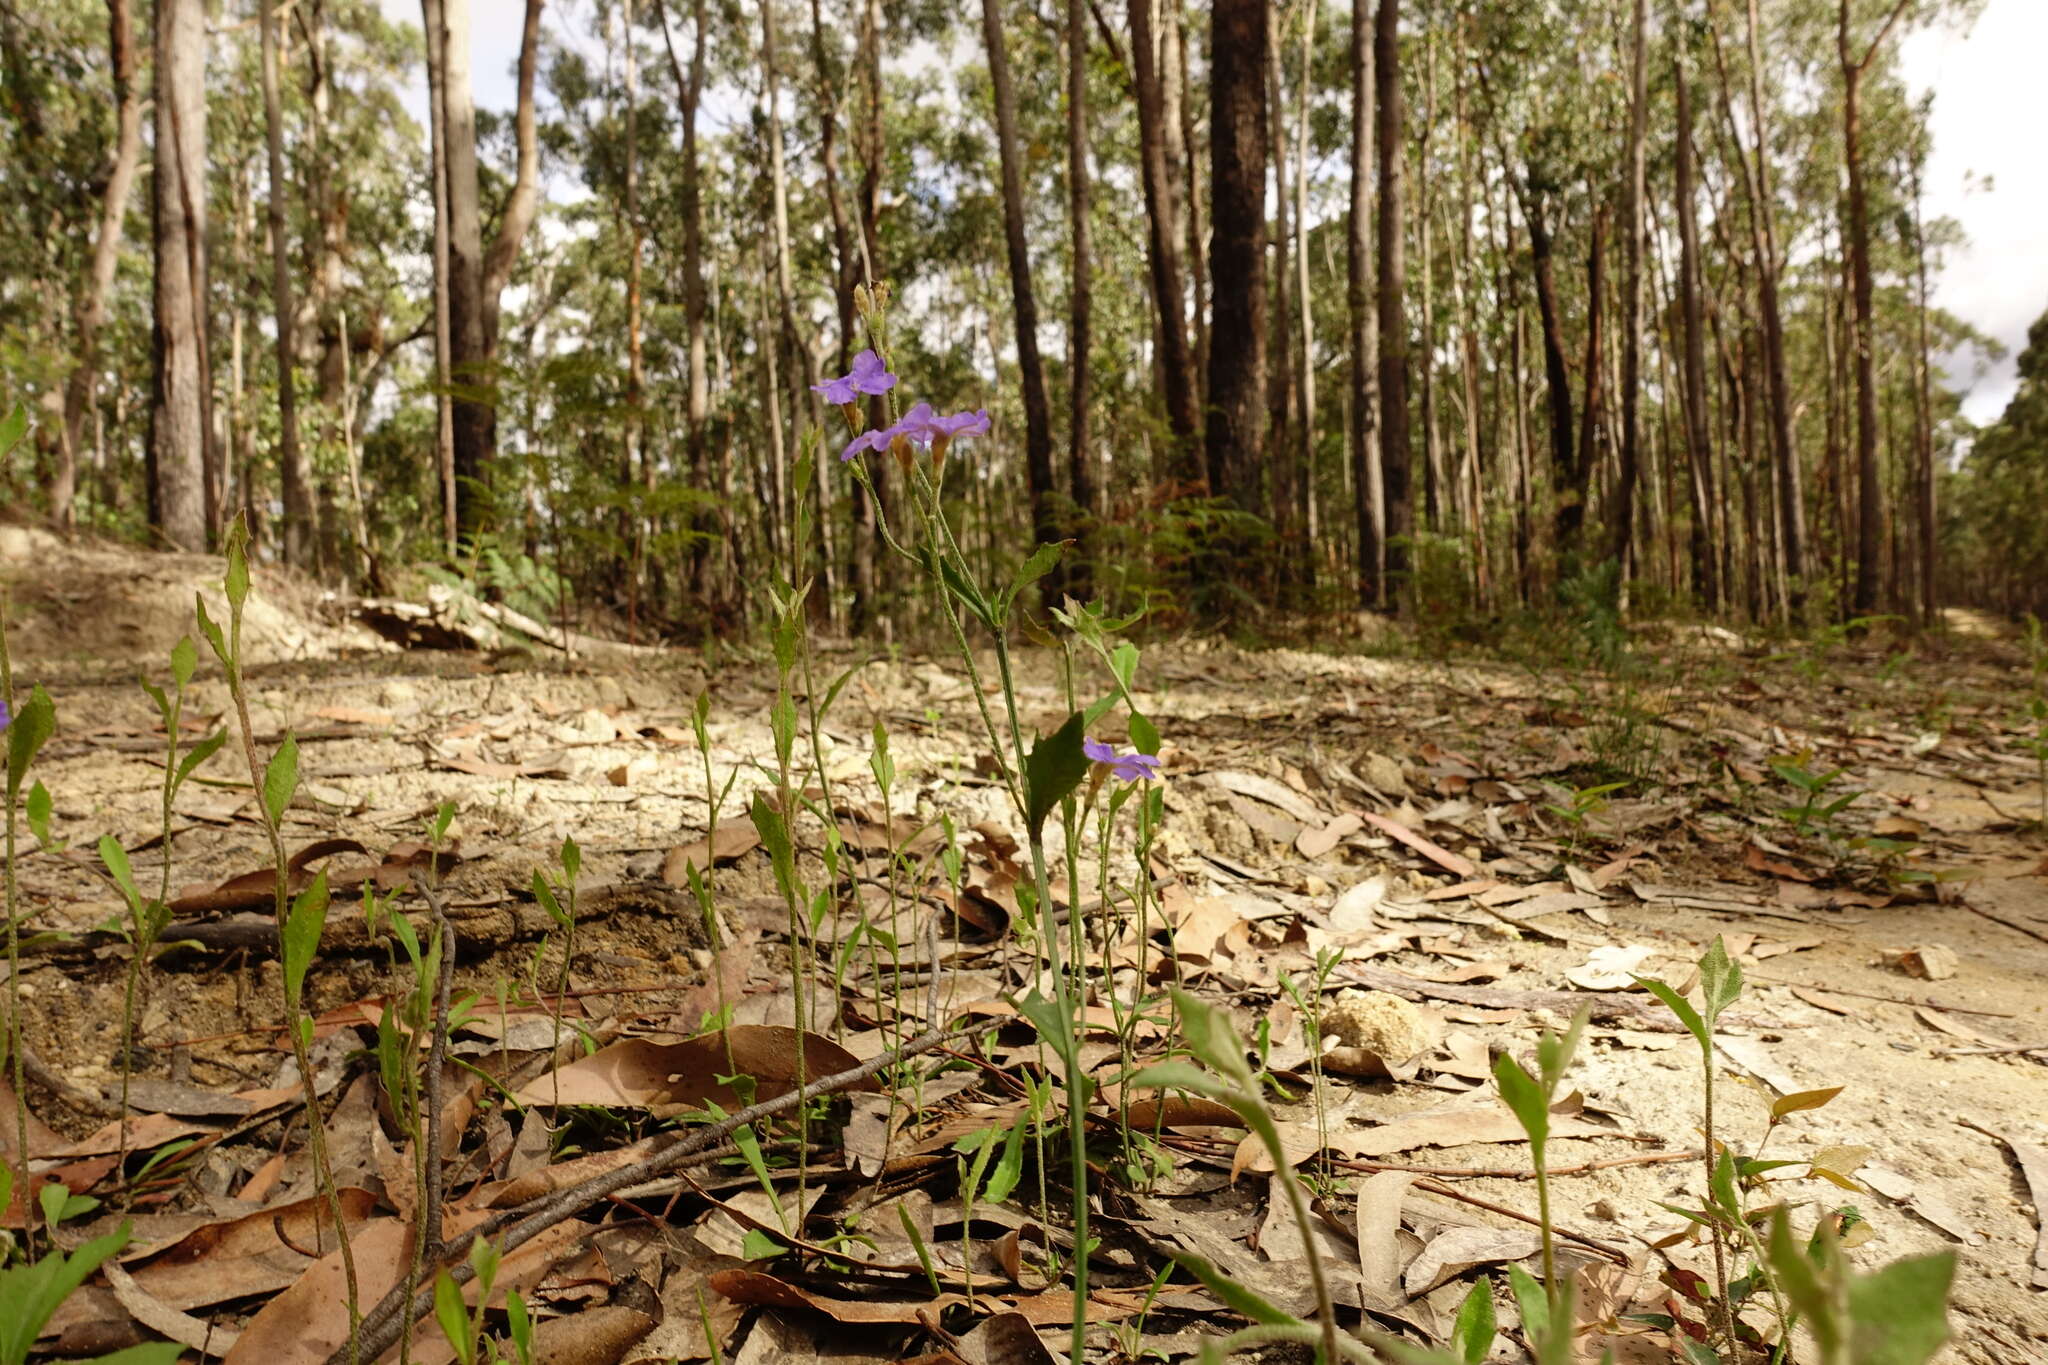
x=396, y=1311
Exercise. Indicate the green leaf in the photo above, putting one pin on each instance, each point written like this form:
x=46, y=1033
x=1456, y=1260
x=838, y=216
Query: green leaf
x=13, y=427
x=453, y=1315
x=1531, y=1300
x=212, y=633
x=1235, y=1296
x=1900, y=1313
x=1055, y=767
x=759, y=1246
x=32, y=727
x=302, y=928
x=196, y=755
x=1123, y=661
x=1010, y=1170
x=1681, y=1007
x=1144, y=734
x=1523, y=1097
x=281, y=779
x=1554, y=1052
x=184, y=660
x=115, y=859
x=1031, y=570
x=236, y=582
x=444, y=815
x=1720, y=980
x=40, y=809
x=572, y=859
x=1472, y=1334
x=768, y=824
x=1209, y=1035
x=545, y=894
x=1723, y=1187
x=32, y=1292
x=1804, y=1099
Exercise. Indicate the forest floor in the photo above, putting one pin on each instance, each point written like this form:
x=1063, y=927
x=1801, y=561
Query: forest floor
x=1388, y=804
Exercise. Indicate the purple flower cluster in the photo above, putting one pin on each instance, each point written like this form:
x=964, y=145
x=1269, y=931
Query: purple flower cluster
x=869, y=376
x=919, y=427
x=1133, y=767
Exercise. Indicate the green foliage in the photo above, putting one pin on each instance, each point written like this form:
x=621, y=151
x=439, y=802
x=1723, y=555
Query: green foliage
x=32, y=1292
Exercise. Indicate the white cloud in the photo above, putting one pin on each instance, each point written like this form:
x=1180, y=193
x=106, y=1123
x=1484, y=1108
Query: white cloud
x=1984, y=128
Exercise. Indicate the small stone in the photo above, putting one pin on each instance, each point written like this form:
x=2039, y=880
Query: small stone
x=396, y=693
x=1380, y=1023
x=587, y=727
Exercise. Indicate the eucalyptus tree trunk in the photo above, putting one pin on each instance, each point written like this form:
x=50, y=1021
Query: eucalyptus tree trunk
x=444, y=411
x=1395, y=455
x=1163, y=232
x=1305, y=417
x=295, y=471
x=1923, y=428
x=1080, y=303
x=90, y=310
x=180, y=417
x=689, y=94
x=1698, y=444
x=1024, y=303
x=1281, y=452
x=1235, y=441
x=1623, y=530
x=476, y=281
x=1869, y=495
x=1367, y=489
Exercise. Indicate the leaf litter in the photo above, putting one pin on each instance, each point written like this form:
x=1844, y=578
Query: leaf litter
x=1415, y=835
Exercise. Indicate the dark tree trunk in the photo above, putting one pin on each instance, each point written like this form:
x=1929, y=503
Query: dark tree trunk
x=1237, y=354
x=1364, y=435
x=1395, y=455
x=1869, y=495
x=1564, y=473
x=1699, y=447
x=1080, y=305
x=1623, y=530
x=1162, y=236
x=1031, y=372
x=180, y=416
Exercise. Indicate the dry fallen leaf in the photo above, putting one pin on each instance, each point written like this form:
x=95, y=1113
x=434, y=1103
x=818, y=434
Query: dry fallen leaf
x=674, y=1078
x=1610, y=967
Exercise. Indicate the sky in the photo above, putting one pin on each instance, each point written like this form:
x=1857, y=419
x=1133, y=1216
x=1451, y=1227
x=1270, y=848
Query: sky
x=1988, y=169
x=1985, y=128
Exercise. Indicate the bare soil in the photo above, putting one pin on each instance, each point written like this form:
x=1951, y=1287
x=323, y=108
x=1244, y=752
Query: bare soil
x=1265, y=749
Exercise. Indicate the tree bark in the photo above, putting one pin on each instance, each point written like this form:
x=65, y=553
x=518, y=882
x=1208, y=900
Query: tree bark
x=1306, y=412
x=90, y=311
x=1080, y=303
x=1395, y=456
x=1571, y=507
x=1698, y=444
x=1556, y=376
x=295, y=471
x=444, y=413
x=180, y=418
x=476, y=281
x=1367, y=491
x=1163, y=231
x=1283, y=467
x=689, y=93
x=1923, y=428
x=1869, y=494
x=1031, y=372
x=1623, y=530
x=1237, y=354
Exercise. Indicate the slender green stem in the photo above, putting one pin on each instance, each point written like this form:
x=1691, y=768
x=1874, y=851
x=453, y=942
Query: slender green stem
x=15, y=1032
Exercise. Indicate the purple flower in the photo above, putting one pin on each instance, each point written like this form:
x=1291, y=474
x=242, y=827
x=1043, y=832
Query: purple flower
x=6, y=719
x=877, y=441
x=927, y=428
x=1125, y=767
x=869, y=375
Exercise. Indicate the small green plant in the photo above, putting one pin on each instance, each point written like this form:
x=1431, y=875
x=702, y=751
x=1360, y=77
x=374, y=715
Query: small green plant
x=31, y=1292
x=1548, y=1309
x=1580, y=805
x=1807, y=1286
x=465, y=1329
x=1815, y=814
